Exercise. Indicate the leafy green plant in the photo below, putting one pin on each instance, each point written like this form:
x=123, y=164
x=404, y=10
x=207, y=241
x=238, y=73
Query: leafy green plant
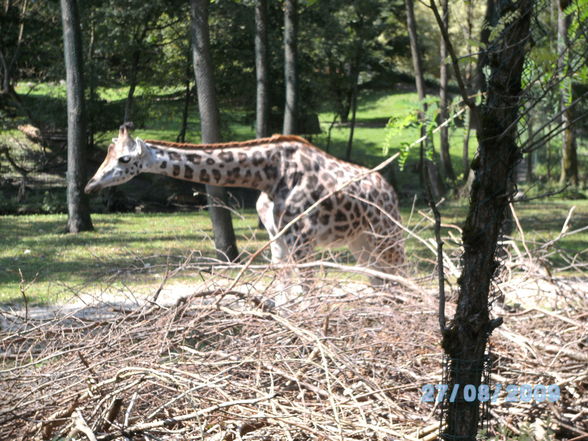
x=395, y=125
x=53, y=202
x=426, y=125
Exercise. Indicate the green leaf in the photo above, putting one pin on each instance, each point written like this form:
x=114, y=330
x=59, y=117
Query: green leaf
x=475, y=43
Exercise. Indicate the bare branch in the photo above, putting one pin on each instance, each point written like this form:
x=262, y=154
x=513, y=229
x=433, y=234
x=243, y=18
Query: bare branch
x=454, y=60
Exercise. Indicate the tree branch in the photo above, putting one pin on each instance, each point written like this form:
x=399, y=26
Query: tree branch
x=440, y=271
x=454, y=60
x=190, y=416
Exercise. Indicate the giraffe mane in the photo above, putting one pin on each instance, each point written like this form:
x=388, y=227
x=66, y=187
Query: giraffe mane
x=249, y=143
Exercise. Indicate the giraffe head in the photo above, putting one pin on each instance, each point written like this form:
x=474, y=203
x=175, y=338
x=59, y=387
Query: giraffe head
x=123, y=161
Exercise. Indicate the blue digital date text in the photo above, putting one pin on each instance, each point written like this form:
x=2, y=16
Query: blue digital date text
x=483, y=393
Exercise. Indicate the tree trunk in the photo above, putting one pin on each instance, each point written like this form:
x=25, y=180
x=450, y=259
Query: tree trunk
x=489, y=17
x=466, y=144
x=77, y=202
x=185, y=112
x=414, y=50
x=465, y=340
x=4, y=74
x=549, y=164
x=530, y=160
x=329, y=132
x=569, y=154
x=261, y=70
x=345, y=92
x=290, y=66
x=7, y=68
x=92, y=82
x=468, y=80
x=224, y=235
x=443, y=111
x=132, y=85
x=419, y=78
x=353, y=111
x=343, y=95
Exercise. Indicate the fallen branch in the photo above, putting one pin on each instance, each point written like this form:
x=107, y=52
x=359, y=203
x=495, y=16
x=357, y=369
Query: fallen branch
x=138, y=428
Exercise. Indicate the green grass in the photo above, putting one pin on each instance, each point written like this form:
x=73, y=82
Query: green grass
x=133, y=250
x=374, y=110
x=158, y=116
x=124, y=248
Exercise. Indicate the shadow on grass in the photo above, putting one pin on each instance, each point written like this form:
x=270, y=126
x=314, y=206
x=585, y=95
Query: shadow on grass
x=119, y=249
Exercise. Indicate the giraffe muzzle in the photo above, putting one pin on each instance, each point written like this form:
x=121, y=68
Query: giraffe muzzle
x=92, y=186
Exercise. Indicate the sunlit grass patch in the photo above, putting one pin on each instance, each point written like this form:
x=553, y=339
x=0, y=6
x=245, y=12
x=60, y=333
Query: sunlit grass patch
x=136, y=249
x=37, y=248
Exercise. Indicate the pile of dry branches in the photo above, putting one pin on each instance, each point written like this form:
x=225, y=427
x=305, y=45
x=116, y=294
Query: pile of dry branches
x=343, y=361
x=543, y=341
x=346, y=362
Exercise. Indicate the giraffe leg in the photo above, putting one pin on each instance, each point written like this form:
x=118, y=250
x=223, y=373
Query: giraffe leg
x=360, y=248
x=281, y=248
x=293, y=247
x=302, y=254
x=383, y=256
x=265, y=210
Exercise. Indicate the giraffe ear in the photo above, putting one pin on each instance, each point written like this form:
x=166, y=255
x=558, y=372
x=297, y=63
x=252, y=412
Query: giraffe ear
x=125, y=129
x=139, y=146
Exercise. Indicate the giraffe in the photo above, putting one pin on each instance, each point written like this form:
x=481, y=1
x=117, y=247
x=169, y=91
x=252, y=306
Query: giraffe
x=291, y=174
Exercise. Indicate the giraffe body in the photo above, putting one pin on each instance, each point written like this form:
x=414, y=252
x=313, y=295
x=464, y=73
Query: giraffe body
x=291, y=174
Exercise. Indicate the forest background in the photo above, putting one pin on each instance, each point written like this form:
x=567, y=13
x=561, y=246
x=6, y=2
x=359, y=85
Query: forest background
x=360, y=97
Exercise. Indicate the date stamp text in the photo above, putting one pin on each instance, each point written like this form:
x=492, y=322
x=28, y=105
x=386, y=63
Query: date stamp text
x=511, y=392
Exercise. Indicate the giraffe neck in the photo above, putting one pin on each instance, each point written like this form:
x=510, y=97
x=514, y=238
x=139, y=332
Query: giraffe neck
x=254, y=164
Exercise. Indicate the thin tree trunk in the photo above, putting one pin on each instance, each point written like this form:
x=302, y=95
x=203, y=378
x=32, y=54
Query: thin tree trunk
x=329, y=132
x=465, y=339
x=419, y=80
x=343, y=100
x=466, y=145
x=92, y=85
x=569, y=156
x=345, y=103
x=77, y=202
x=437, y=185
x=468, y=81
x=549, y=164
x=530, y=163
x=261, y=70
x=132, y=85
x=224, y=235
x=489, y=17
x=8, y=67
x=184, y=127
x=353, y=111
x=443, y=101
x=5, y=74
x=415, y=53
x=290, y=66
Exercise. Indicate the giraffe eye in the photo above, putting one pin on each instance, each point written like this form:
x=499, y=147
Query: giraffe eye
x=124, y=159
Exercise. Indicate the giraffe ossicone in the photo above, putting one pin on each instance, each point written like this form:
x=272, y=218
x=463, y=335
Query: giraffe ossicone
x=292, y=175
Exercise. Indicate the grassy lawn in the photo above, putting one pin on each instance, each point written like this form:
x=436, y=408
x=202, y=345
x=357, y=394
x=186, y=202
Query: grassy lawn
x=134, y=250
x=159, y=117
x=124, y=248
x=374, y=110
